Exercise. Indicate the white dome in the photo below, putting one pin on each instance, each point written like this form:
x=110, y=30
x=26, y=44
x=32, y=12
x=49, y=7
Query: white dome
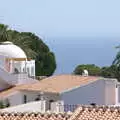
x=10, y=50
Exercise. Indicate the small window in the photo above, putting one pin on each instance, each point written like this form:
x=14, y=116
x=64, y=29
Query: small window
x=16, y=71
x=50, y=104
x=7, y=103
x=93, y=104
x=38, y=98
x=25, y=98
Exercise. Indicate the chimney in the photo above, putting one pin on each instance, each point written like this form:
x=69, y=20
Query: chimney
x=85, y=73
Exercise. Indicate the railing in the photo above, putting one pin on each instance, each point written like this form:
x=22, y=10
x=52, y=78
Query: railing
x=68, y=107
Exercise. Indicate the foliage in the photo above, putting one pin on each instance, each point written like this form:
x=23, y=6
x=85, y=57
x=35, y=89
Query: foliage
x=7, y=103
x=109, y=72
x=2, y=104
x=116, y=64
x=92, y=69
x=34, y=48
x=112, y=71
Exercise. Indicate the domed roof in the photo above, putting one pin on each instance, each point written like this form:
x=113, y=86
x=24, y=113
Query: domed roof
x=10, y=50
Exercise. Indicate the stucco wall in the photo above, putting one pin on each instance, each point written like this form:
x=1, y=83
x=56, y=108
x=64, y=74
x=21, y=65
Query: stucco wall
x=110, y=92
x=91, y=93
x=31, y=96
x=101, y=92
x=119, y=93
x=29, y=107
x=14, y=98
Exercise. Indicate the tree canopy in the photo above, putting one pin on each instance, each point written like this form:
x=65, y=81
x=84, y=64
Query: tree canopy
x=34, y=48
x=112, y=71
x=92, y=69
x=116, y=64
x=108, y=71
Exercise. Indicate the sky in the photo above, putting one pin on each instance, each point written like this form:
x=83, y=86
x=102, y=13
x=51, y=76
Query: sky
x=77, y=31
x=66, y=18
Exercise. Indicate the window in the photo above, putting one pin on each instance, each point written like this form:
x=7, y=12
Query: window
x=93, y=104
x=7, y=103
x=16, y=71
x=50, y=101
x=25, y=99
x=38, y=98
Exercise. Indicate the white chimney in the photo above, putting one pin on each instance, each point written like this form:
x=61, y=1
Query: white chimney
x=85, y=73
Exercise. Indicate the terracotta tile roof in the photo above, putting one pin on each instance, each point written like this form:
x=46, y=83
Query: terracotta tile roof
x=59, y=83
x=10, y=91
x=96, y=113
x=82, y=113
x=33, y=116
x=7, y=92
x=55, y=84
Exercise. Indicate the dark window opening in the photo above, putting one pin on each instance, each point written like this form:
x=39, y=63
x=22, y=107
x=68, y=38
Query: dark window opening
x=38, y=98
x=7, y=103
x=50, y=101
x=25, y=98
x=16, y=71
x=93, y=104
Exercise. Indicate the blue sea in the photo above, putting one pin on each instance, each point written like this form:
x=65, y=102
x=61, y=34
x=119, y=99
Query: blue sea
x=71, y=52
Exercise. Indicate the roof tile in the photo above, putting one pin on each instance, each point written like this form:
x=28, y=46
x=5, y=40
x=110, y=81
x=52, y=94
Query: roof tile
x=96, y=113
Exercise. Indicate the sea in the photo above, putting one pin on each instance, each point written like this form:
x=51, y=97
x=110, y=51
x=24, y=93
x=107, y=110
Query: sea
x=70, y=52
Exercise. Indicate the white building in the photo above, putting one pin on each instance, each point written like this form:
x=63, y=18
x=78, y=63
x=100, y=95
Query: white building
x=68, y=89
x=17, y=87
x=14, y=66
x=14, y=60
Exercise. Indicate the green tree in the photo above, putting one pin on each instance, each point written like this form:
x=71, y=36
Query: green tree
x=92, y=69
x=109, y=71
x=116, y=64
x=2, y=104
x=34, y=48
x=117, y=58
x=3, y=32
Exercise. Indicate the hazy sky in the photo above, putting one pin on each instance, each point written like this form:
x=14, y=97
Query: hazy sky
x=55, y=18
x=92, y=28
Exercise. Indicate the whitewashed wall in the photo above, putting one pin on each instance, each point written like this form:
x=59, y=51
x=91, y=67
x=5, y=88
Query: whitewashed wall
x=118, y=93
x=31, y=66
x=14, y=98
x=31, y=96
x=29, y=107
x=6, y=77
x=110, y=92
x=91, y=93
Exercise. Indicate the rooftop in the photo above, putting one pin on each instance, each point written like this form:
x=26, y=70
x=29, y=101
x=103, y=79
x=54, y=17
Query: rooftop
x=34, y=116
x=96, y=113
x=81, y=113
x=53, y=84
x=59, y=83
x=8, y=49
